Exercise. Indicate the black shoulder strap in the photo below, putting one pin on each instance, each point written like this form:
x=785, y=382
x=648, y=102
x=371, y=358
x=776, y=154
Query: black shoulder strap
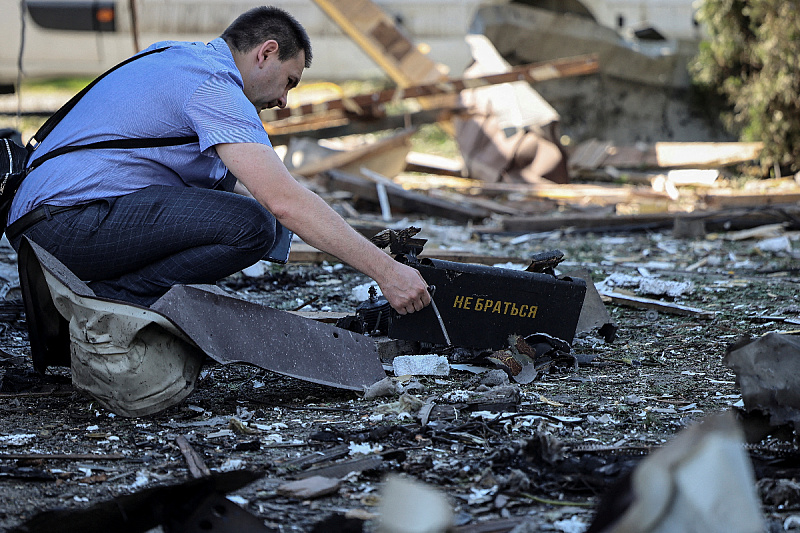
x=53, y=121
x=116, y=143
x=56, y=117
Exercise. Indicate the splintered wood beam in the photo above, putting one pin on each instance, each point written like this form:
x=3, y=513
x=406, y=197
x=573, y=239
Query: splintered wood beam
x=723, y=220
x=401, y=199
x=336, y=124
x=304, y=253
x=376, y=33
x=364, y=103
x=197, y=467
x=658, y=305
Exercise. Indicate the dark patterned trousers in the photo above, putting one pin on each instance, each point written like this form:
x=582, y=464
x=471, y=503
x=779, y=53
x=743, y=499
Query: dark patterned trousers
x=135, y=247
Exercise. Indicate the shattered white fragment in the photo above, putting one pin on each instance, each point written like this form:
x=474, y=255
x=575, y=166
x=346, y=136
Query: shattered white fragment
x=364, y=448
x=510, y=266
x=421, y=365
x=456, y=396
x=256, y=271
x=273, y=438
x=238, y=500
x=573, y=525
x=617, y=279
x=605, y=419
x=659, y=287
x=486, y=415
x=92, y=428
x=142, y=479
x=791, y=522
x=361, y=292
x=270, y=427
x=775, y=244
x=220, y=433
x=21, y=439
x=477, y=496
x=231, y=464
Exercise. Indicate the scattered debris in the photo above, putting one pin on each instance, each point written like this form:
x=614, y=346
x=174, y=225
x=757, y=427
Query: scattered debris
x=188, y=317
x=519, y=434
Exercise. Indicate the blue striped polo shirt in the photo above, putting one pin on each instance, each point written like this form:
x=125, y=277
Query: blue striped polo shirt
x=189, y=89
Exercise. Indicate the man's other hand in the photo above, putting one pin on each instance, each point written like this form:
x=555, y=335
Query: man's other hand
x=405, y=289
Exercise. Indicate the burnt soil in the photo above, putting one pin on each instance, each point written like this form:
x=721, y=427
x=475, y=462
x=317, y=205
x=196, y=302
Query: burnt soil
x=539, y=462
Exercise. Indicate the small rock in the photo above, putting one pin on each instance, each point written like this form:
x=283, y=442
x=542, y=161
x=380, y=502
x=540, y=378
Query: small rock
x=494, y=378
x=421, y=365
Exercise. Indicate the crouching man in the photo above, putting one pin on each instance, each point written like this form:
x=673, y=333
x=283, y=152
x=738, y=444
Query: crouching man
x=132, y=222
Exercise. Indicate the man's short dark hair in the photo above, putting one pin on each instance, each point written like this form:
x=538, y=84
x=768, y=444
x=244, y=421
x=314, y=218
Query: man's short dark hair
x=260, y=24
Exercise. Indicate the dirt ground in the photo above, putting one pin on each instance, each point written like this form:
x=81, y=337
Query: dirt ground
x=60, y=450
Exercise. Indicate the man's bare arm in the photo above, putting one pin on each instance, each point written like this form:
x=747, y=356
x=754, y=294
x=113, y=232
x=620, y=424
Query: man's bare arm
x=262, y=172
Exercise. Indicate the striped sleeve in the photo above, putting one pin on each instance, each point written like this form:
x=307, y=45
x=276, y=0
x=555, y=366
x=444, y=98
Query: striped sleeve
x=220, y=113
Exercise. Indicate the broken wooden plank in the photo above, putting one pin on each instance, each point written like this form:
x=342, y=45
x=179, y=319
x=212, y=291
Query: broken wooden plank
x=310, y=488
x=338, y=124
x=340, y=470
x=724, y=220
x=705, y=154
x=197, y=467
x=64, y=456
x=433, y=164
x=596, y=154
x=490, y=205
x=331, y=454
x=725, y=198
x=386, y=156
x=542, y=223
x=402, y=200
x=365, y=103
x=304, y=253
x=375, y=32
x=658, y=305
x=460, y=256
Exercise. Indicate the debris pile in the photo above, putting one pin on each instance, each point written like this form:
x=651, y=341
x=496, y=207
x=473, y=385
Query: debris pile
x=526, y=399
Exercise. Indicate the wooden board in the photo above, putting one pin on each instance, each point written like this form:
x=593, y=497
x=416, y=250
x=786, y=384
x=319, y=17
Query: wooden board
x=402, y=200
x=375, y=33
x=304, y=253
x=386, y=157
x=595, y=154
